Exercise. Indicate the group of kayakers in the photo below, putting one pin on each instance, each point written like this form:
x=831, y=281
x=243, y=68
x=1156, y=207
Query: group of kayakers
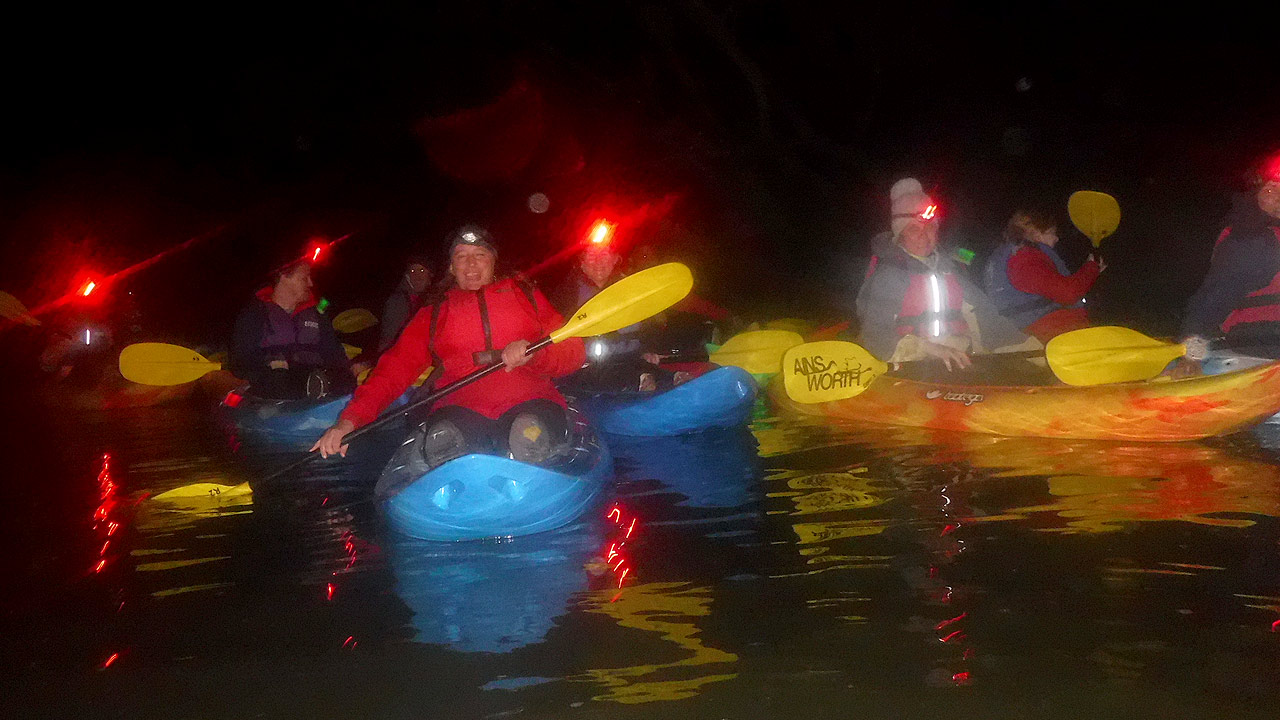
x=915, y=303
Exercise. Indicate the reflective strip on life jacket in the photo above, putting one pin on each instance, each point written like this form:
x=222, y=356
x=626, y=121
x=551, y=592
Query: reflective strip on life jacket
x=931, y=306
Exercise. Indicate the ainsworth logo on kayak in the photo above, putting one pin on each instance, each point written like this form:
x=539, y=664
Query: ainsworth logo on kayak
x=820, y=374
x=953, y=396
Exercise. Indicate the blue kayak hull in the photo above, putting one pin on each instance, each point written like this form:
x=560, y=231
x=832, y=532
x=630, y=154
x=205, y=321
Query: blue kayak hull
x=721, y=398
x=288, y=422
x=484, y=496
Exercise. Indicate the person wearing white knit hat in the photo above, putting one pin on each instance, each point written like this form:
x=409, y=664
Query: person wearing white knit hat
x=914, y=303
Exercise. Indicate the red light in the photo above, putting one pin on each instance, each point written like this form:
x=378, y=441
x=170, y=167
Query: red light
x=329, y=592
x=110, y=660
x=633, y=527
x=612, y=512
x=623, y=576
x=350, y=641
x=101, y=564
x=945, y=623
x=952, y=636
x=960, y=678
x=232, y=399
x=601, y=232
x=87, y=288
x=1275, y=626
x=316, y=250
x=929, y=213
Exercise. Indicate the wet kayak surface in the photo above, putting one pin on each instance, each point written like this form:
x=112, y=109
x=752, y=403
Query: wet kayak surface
x=795, y=569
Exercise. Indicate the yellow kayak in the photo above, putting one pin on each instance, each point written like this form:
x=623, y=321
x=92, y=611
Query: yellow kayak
x=1160, y=410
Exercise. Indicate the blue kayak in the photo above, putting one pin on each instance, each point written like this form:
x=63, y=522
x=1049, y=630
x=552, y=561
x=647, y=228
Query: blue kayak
x=483, y=496
x=721, y=398
x=286, y=422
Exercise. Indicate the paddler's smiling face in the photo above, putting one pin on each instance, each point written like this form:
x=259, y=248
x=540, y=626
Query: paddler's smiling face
x=471, y=266
x=919, y=237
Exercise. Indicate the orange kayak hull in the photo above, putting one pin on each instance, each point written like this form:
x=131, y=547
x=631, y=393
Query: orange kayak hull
x=1161, y=410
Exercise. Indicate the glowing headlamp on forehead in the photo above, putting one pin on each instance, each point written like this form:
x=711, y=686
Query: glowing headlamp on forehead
x=469, y=238
x=929, y=213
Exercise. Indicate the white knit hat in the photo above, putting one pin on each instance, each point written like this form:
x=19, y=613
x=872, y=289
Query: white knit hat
x=907, y=199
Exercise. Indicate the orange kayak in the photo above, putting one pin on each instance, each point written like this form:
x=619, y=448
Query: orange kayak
x=1160, y=410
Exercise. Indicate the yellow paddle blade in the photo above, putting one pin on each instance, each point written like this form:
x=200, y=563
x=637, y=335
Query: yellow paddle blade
x=628, y=301
x=1101, y=355
x=163, y=364
x=353, y=320
x=1095, y=214
x=758, y=352
x=351, y=350
x=828, y=370
x=11, y=308
x=205, y=489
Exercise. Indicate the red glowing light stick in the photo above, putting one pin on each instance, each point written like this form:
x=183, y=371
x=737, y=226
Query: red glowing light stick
x=929, y=213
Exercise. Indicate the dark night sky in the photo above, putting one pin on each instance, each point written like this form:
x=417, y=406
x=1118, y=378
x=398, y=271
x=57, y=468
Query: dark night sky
x=779, y=127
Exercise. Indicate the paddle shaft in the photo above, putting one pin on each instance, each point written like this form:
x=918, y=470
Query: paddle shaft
x=404, y=411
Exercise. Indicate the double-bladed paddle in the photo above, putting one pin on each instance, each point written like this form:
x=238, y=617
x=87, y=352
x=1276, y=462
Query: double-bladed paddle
x=836, y=370
x=759, y=352
x=626, y=302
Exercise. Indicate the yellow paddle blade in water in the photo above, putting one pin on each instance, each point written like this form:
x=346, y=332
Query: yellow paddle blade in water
x=1095, y=214
x=351, y=350
x=759, y=352
x=205, y=489
x=353, y=320
x=163, y=364
x=11, y=308
x=628, y=301
x=1108, y=354
x=828, y=370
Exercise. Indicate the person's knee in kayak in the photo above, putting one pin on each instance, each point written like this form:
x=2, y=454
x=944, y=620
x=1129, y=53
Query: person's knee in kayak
x=480, y=319
x=283, y=346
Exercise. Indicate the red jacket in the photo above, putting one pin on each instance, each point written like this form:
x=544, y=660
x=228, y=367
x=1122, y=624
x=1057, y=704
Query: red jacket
x=1031, y=271
x=460, y=333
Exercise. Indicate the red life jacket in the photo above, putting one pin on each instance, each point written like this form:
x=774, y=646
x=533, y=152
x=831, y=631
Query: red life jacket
x=931, y=306
x=1262, y=305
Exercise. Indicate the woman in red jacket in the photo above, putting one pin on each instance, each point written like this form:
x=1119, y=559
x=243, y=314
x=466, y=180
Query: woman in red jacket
x=1029, y=282
x=478, y=321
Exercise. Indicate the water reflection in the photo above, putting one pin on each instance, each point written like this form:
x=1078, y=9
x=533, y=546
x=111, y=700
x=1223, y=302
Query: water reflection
x=492, y=596
x=712, y=469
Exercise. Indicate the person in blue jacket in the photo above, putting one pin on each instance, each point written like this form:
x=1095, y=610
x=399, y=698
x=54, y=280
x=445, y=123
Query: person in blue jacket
x=1239, y=300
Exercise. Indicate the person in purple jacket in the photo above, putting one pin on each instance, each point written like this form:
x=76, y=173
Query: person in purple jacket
x=284, y=347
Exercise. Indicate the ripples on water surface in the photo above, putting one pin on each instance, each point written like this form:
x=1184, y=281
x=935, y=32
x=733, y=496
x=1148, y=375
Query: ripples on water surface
x=797, y=570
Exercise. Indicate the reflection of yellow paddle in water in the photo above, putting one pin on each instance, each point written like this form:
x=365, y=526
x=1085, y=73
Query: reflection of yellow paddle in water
x=666, y=609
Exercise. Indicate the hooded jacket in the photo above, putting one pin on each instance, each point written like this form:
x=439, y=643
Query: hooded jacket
x=1240, y=296
x=889, y=305
x=467, y=322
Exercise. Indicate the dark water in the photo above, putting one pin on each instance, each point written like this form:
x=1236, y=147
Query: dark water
x=794, y=571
